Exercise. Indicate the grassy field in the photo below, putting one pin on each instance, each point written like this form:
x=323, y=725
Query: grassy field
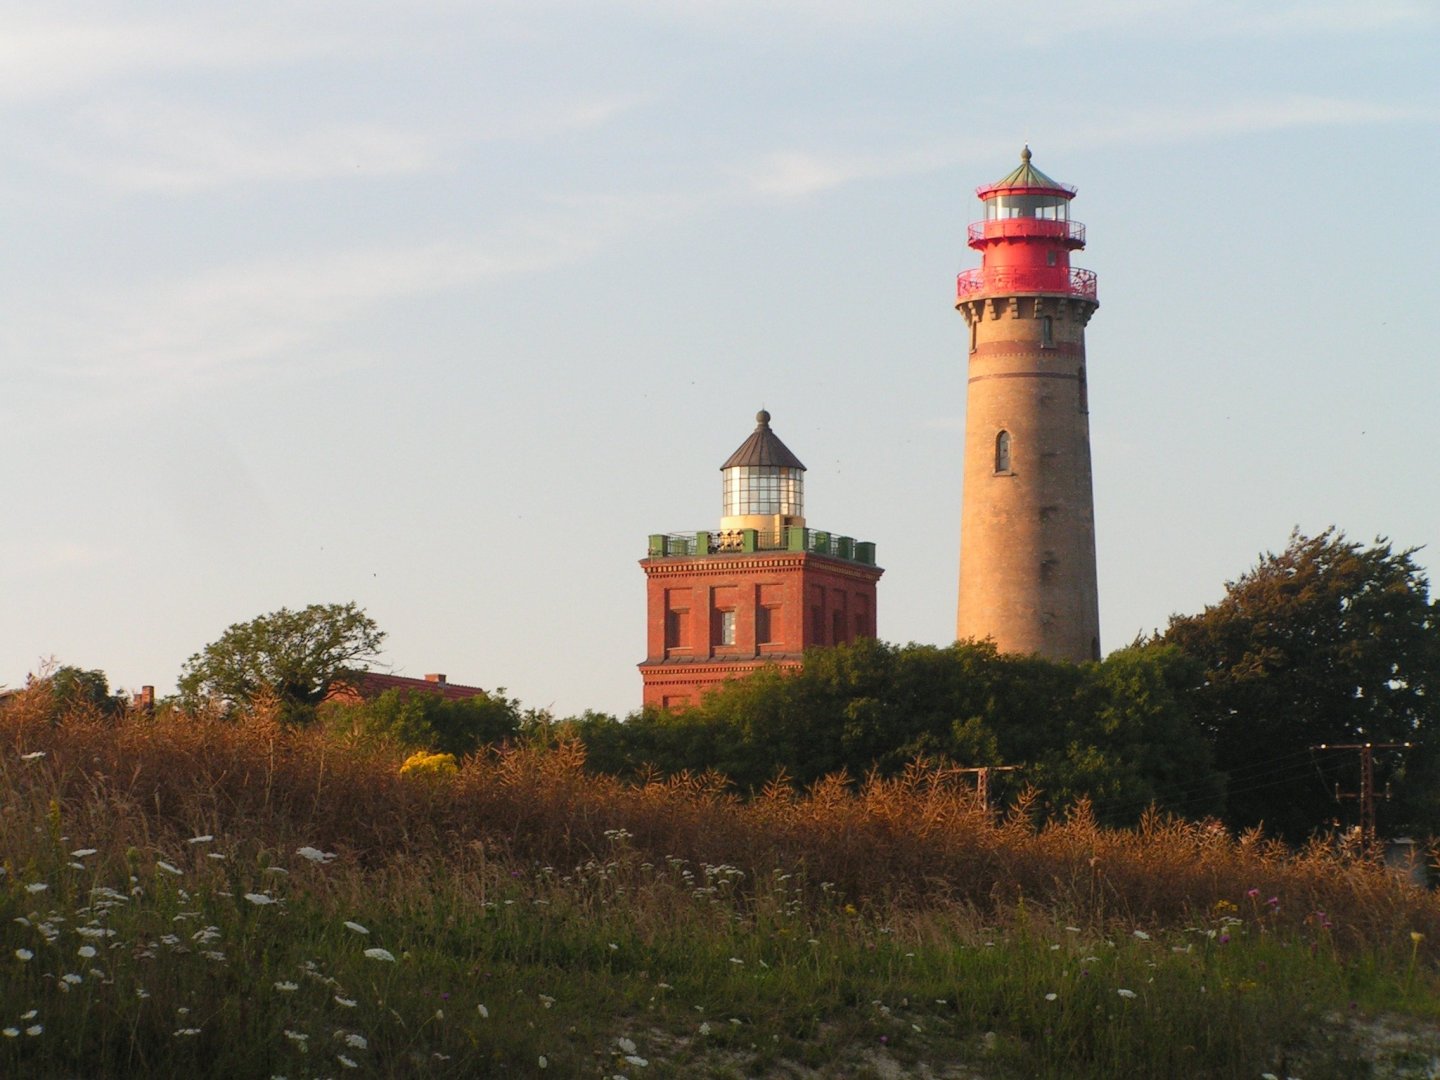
x=199, y=898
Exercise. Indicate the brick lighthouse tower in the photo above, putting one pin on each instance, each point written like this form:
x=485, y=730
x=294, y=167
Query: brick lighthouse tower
x=1027, y=533
x=760, y=590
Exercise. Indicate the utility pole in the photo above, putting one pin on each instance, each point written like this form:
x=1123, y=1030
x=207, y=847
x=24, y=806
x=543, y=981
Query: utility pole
x=982, y=780
x=1366, y=794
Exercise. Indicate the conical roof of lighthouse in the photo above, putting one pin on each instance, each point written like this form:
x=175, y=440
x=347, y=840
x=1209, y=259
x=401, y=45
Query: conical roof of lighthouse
x=1026, y=179
x=763, y=447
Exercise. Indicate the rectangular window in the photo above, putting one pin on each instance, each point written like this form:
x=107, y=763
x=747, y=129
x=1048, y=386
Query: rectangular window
x=1047, y=330
x=974, y=334
x=763, y=626
x=837, y=628
x=677, y=618
x=725, y=627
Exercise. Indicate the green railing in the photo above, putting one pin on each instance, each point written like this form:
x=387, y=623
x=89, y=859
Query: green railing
x=745, y=541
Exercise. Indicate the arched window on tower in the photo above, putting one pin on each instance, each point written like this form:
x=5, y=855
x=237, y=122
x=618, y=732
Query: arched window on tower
x=1002, y=452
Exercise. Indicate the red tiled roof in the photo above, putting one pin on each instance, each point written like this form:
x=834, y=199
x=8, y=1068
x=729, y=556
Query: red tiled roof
x=370, y=684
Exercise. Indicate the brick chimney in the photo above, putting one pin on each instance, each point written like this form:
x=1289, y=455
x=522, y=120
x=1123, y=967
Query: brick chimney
x=435, y=679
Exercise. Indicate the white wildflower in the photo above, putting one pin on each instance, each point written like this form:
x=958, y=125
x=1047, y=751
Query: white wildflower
x=24, y=954
x=1141, y=935
x=357, y=1041
x=217, y=856
x=349, y=1003
x=287, y=987
x=356, y=927
x=299, y=1038
x=483, y=1011
x=736, y=960
x=315, y=854
x=542, y=1062
x=82, y=852
x=34, y=1029
x=1126, y=993
x=546, y=1000
x=11, y=1033
x=349, y=1063
x=200, y=839
x=34, y=755
x=36, y=887
x=1051, y=996
x=30, y=1015
x=705, y=1027
x=188, y=1031
x=72, y=979
x=638, y=1062
x=168, y=868
x=626, y=1045
x=259, y=899
x=380, y=954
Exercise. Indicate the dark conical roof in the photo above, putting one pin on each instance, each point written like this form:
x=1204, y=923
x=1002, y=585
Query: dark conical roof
x=763, y=447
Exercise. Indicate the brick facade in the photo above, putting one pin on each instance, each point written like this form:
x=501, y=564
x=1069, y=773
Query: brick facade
x=771, y=606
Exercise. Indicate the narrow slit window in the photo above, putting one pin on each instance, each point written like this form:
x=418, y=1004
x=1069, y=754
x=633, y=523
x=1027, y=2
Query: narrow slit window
x=1047, y=330
x=726, y=635
x=1002, y=452
x=974, y=334
x=1084, y=389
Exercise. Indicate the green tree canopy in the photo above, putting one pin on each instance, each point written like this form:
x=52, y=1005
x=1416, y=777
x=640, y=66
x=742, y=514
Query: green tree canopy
x=75, y=691
x=296, y=657
x=1327, y=641
x=421, y=720
x=1118, y=732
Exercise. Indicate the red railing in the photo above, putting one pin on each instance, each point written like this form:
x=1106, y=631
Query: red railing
x=999, y=228
x=1037, y=279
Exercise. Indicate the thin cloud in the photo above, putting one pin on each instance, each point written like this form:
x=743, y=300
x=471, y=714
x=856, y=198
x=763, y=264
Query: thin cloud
x=802, y=173
x=154, y=146
x=1240, y=118
x=43, y=57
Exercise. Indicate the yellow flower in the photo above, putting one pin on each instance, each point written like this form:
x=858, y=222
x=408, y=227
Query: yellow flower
x=423, y=763
x=1416, y=936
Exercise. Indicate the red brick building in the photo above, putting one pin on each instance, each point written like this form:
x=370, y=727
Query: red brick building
x=759, y=590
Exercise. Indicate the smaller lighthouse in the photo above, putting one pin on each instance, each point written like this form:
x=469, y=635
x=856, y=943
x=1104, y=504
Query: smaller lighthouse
x=760, y=589
x=1027, y=532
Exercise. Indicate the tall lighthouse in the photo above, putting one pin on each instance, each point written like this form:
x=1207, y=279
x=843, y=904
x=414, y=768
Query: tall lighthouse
x=1027, y=532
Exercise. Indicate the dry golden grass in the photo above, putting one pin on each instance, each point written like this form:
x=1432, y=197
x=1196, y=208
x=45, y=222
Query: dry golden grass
x=907, y=844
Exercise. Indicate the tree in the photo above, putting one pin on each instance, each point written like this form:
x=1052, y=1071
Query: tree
x=1119, y=732
x=296, y=657
x=1328, y=641
x=421, y=720
x=74, y=692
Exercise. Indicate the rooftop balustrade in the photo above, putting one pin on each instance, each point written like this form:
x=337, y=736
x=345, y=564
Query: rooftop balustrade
x=744, y=541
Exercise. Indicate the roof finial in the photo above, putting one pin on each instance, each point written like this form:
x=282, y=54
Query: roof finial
x=1025, y=155
x=762, y=418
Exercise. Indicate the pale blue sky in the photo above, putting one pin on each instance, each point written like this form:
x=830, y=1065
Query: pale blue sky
x=443, y=307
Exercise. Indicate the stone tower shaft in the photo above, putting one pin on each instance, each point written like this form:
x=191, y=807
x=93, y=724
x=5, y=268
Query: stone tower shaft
x=1027, y=534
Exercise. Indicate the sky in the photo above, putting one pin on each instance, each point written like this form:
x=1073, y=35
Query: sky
x=442, y=308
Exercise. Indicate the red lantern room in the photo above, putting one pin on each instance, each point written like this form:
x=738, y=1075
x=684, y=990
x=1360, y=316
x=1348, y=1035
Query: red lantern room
x=1026, y=238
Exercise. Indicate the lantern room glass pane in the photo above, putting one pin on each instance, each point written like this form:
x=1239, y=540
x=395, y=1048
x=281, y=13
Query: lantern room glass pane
x=1045, y=207
x=764, y=489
